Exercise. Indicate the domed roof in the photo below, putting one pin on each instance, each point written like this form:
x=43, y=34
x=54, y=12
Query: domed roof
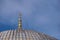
x=21, y=34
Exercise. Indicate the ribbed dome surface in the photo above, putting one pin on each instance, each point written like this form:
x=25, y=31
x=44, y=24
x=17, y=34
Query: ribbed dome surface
x=23, y=35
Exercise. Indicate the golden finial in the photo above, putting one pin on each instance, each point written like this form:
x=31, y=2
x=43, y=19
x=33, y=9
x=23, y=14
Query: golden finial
x=20, y=21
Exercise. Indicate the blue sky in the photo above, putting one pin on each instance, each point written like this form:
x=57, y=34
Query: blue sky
x=37, y=15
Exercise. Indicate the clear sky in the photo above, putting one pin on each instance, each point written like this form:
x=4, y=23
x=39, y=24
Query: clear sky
x=37, y=15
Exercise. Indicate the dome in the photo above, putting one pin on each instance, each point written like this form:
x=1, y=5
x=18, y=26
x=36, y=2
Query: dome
x=23, y=35
x=20, y=34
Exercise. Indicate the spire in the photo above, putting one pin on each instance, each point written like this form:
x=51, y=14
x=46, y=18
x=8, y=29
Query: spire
x=20, y=21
